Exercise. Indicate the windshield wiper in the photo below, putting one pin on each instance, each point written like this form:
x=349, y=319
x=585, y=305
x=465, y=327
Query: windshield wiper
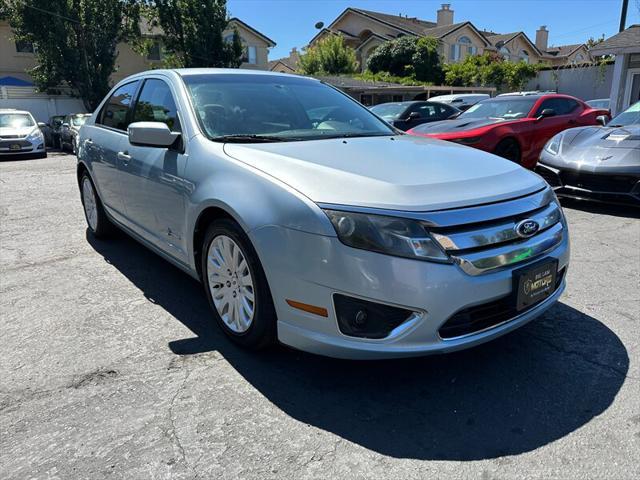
x=356, y=135
x=253, y=138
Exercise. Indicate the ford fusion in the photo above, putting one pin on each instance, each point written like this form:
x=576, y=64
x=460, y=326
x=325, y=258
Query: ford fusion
x=597, y=163
x=311, y=222
x=20, y=135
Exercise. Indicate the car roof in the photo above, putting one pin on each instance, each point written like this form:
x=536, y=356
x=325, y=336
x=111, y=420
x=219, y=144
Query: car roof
x=13, y=110
x=507, y=98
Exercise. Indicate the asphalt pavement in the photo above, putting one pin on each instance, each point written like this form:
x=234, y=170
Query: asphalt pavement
x=111, y=367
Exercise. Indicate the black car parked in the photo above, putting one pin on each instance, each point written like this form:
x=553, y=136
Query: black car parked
x=51, y=131
x=406, y=115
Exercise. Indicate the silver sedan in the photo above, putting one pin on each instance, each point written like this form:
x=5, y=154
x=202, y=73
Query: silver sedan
x=312, y=222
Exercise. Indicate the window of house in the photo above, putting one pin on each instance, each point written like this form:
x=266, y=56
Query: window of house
x=250, y=55
x=579, y=58
x=228, y=38
x=24, y=47
x=462, y=48
x=116, y=111
x=155, y=52
x=506, y=53
x=524, y=56
x=156, y=104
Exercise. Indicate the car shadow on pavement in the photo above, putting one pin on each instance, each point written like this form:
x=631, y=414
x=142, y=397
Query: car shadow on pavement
x=513, y=395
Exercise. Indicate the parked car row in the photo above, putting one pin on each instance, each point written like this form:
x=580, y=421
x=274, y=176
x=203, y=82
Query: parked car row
x=61, y=131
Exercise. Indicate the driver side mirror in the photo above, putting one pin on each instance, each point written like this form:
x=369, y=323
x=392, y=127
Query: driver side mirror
x=151, y=134
x=42, y=125
x=601, y=119
x=547, y=112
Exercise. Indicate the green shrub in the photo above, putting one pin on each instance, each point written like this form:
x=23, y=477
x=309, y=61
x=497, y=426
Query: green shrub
x=329, y=56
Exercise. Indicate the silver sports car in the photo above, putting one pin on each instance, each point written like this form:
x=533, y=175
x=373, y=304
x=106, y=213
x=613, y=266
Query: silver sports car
x=597, y=163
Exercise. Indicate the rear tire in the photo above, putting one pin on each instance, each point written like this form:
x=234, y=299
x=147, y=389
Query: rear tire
x=236, y=286
x=97, y=221
x=509, y=149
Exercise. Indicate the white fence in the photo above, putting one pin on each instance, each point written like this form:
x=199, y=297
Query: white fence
x=586, y=83
x=41, y=105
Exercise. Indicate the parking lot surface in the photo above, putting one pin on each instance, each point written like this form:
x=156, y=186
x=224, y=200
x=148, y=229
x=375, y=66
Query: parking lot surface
x=111, y=367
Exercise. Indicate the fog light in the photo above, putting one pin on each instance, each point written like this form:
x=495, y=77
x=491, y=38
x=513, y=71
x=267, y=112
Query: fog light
x=364, y=319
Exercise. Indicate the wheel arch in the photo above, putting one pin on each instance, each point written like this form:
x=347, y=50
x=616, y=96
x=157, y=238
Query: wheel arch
x=208, y=215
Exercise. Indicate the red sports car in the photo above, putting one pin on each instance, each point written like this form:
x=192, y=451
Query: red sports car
x=514, y=127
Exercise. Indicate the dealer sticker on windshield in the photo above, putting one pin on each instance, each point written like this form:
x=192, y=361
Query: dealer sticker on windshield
x=535, y=283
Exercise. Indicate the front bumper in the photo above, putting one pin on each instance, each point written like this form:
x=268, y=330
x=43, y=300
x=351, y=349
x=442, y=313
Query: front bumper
x=615, y=188
x=312, y=268
x=17, y=147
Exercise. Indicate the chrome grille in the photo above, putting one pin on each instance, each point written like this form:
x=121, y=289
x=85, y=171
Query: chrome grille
x=480, y=246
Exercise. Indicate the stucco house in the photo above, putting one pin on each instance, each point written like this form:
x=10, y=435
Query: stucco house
x=18, y=57
x=364, y=30
x=625, y=85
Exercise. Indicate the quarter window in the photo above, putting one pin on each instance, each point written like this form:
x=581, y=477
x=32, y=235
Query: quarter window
x=115, y=112
x=156, y=104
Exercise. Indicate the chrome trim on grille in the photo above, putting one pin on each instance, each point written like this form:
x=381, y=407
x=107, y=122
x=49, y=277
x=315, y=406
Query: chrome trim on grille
x=495, y=234
x=486, y=260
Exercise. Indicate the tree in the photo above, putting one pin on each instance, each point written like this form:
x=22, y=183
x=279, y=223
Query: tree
x=408, y=56
x=592, y=42
x=329, y=56
x=75, y=41
x=193, y=33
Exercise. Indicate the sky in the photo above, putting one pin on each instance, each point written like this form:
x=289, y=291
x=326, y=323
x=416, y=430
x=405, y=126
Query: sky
x=290, y=23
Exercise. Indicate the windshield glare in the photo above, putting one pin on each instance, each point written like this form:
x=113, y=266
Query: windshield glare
x=631, y=116
x=15, y=120
x=505, y=109
x=277, y=106
x=389, y=110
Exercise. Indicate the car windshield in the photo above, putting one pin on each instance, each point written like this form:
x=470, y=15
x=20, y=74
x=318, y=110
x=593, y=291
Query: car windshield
x=389, y=111
x=79, y=120
x=504, y=108
x=631, y=116
x=252, y=108
x=15, y=120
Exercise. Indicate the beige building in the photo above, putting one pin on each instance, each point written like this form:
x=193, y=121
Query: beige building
x=364, y=30
x=17, y=57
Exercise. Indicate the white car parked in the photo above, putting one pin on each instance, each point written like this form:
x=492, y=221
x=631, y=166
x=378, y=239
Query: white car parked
x=20, y=134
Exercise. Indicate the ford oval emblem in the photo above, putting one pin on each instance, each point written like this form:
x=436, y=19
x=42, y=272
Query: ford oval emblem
x=527, y=228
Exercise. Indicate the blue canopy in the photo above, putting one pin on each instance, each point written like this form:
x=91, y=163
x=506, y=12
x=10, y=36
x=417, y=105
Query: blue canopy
x=14, y=82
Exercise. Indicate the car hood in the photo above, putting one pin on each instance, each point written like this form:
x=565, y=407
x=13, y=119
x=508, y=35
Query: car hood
x=458, y=125
x=599, y=148
x=400, y=173
x=21, y=131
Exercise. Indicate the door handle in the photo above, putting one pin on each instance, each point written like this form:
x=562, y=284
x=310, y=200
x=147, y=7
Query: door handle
x=124, y=157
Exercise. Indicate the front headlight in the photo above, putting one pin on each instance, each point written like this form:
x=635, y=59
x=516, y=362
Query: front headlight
x=466, y=140
x=391, y=235
x=35, y=135
x=553, y=145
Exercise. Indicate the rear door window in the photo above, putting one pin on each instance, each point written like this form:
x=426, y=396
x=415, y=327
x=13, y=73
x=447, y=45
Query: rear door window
x=115, y=113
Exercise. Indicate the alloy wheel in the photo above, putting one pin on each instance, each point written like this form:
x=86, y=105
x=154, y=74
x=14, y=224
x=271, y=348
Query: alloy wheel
x=231, y=284
x=89, y=202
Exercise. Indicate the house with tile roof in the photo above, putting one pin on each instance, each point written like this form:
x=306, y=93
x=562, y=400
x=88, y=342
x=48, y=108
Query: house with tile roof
x=364, y=30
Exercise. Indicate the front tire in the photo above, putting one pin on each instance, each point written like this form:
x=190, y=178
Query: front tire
x=509, y=149
x=97, y=221
x=236, y=286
